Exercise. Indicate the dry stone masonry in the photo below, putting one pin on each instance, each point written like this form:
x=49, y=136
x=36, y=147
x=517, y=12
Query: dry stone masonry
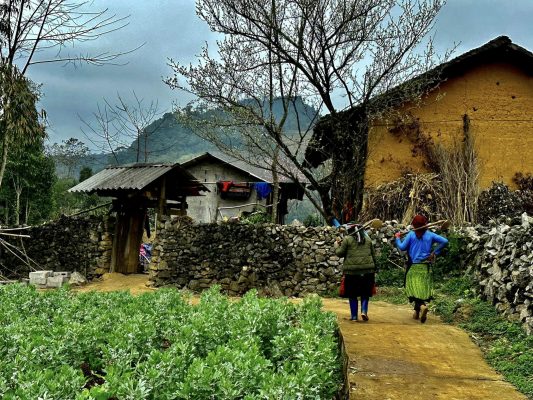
x=275, y=259
x=295, y=260
x=501, y=259
x=69, y=244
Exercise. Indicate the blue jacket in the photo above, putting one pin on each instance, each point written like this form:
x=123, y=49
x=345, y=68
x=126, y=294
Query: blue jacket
x=420, y=249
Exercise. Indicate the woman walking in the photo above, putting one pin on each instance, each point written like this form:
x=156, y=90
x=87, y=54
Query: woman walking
x=419, y=280
x=359, y=269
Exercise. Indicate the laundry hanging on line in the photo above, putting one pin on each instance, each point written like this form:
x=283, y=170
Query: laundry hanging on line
x=224, y=186
x=232, y=190
x=263, y=189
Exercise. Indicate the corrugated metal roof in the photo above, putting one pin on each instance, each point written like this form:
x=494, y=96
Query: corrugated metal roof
x=125, y=177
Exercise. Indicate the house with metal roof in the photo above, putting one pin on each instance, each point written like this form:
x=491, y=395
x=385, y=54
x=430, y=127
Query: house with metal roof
x=236, y=188
x=135, y=188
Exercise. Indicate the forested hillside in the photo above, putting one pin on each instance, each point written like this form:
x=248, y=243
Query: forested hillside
x=170, y=141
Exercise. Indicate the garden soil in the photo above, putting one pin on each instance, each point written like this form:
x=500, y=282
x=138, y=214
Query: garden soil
x=392, y=356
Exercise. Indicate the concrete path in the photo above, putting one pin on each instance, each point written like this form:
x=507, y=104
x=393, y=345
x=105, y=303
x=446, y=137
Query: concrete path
x=394, y=357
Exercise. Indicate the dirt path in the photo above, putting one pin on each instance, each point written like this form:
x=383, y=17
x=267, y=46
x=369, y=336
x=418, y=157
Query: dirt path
x=393, y=357
x=135, y=283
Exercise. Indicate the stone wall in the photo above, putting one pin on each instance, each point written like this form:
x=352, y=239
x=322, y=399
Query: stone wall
x=500, y=256
x=275, y=259
x=294, y=260
x=81, y=243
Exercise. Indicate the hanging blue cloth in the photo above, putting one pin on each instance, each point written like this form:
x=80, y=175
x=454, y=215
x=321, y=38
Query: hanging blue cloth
x=263, y=189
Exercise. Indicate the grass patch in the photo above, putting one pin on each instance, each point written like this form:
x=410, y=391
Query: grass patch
x=394, y=295
x=505, y=345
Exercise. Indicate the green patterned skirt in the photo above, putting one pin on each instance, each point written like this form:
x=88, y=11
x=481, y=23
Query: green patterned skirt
x=419, y=283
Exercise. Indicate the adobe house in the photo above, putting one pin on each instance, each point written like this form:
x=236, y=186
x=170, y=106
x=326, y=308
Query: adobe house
x=217, y=171
x=491, y=86
x=135, y=188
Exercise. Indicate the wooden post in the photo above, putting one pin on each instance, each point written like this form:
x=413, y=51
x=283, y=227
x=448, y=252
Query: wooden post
x=116, y=239
x=163, y=197
x=128, y=237
x=133, y=241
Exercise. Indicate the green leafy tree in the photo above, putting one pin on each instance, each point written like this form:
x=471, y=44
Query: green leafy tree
x=85, y=173
x=19, y=120
x=27, y=193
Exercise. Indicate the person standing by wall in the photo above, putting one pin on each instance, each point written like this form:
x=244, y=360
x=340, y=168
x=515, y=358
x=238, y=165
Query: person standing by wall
x=419, y=279
x=359, y=269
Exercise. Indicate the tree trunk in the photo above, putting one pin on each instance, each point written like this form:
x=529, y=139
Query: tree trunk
x=4, y=157
x=138, y=146
x=17, y=206
x=145, y=147
x=349, y=165
x=27, y=213
x=326, y=211
x=6, y=221
x=275, y=183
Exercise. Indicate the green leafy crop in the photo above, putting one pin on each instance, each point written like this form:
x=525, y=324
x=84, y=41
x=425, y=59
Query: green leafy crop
x=100, y=346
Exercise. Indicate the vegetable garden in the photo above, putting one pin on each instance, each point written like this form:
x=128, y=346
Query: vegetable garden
x=63, y=345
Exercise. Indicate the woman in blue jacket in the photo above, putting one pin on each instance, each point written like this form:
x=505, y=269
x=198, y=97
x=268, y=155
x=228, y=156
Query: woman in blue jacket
x=419, y=280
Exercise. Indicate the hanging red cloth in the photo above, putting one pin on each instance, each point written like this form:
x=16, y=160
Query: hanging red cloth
x=224, y=186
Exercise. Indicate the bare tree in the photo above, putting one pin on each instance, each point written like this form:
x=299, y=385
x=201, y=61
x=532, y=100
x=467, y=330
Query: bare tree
x=354, y=50
x=30, y=28
x=250, y=121
x=69, y=153
x=37, y=32
x=117, y=125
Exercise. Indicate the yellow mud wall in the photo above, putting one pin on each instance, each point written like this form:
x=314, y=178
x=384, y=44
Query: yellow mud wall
x=497, y=97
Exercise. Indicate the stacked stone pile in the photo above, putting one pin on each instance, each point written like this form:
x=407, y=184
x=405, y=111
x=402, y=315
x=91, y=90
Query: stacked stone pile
x=80, y=244
x=501, y=258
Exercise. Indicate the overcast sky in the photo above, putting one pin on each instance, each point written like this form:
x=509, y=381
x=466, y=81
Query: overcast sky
x=171, y=29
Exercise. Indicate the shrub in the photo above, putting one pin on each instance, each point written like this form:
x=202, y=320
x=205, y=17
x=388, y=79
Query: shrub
x=313, y=220
x=523, y=181
x=451, y=260
x=257, y=217
x=498, y=200
x=389, y=273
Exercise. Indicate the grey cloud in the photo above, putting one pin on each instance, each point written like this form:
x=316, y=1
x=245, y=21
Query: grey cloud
x=171, y=29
